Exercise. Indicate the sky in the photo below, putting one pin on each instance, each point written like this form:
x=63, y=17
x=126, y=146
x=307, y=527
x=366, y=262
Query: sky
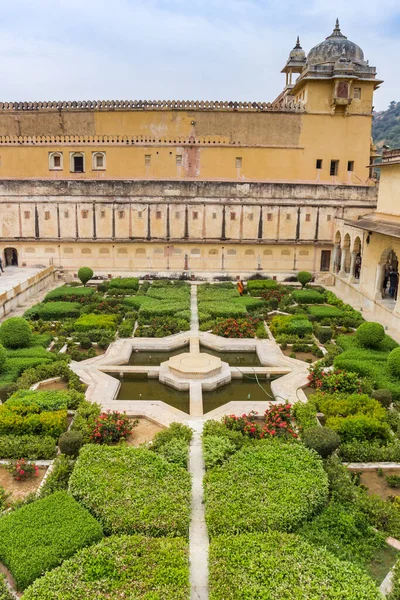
x=180, y=49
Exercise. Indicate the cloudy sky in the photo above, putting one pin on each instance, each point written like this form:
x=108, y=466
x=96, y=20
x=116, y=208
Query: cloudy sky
x=180, y=49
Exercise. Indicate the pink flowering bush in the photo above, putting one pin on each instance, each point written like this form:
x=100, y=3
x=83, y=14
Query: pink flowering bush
x=22, y=470
x=277, y=422
x=111, y=427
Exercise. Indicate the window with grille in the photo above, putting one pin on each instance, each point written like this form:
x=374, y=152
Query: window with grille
x=334, y=168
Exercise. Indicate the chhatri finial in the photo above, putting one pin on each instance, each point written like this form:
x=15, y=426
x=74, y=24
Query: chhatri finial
x=337, y=25
x=336, y=32
x=298, y=42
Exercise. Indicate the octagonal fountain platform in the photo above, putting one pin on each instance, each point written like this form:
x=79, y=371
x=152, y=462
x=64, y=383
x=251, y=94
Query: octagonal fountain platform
x=179, y=371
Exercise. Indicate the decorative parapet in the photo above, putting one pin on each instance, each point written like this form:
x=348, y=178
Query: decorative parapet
x=151, y=105
x=123, y=140
x=391, y=156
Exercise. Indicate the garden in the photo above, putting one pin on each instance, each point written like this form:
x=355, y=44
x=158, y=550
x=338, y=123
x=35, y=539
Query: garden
x=286, y=516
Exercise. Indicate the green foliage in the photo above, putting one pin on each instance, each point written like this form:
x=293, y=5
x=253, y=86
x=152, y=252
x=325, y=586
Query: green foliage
x=162, y=326
x=25, y=401
x=305, y=415
x=304, y=277
x=216, y=450
x=58, y=479
x=342, y=405
x=3, y=358
x=366, y=451
x=44, y=423
x=176, y=451
x=174, y=431
x=395, y=591
x=84, y=274
x=359, y=427
x=296, y=325
x=131, y=283
x=85, y=418
x=280, y=566
x=39, y=536
x=319, y=313
x=345, y=531
x=70, y=443
x=120, y=567
x=71, y=294
x=322, y=440
x=394, y=362
x=5, y=594
x=31, y=447
x=54, y=311
x=46, y=371
x=323, y=334
x=158, y=491
x=386, y=130
x=15, y=332
x=261, y=285
x=245, y=327
x=218, y=429
x=93, y=321
x=384, y=397
x=126, y=328
x=370, y=335
x=266, y=485
x=393, y=481
x=308, y=297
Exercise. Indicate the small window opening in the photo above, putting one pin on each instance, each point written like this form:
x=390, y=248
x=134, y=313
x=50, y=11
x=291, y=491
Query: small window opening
x=121, y=214
x=66, y=214
x=78, y=164
x=357, y=93
x=269, y=217
x=233, y=216
x=334, y=168
x=350, y=165
x=195, y=216
x=27, y=214
x=158, y=214
x=239, y=162
x=85, y=214
x=308, y=217
x=47, y=215
x=318, y=163
x=288, y=217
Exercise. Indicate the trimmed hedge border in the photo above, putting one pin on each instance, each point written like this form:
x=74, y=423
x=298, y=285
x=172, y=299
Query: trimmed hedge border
x=266, y=485
x=132, y=490
x=120, y=567
x=278, y=566
x=39, y=536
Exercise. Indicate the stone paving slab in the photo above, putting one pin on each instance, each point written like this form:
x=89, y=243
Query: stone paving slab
x=14, y=276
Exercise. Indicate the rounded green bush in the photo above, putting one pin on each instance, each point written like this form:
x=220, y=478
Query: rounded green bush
x=3, y=358
x=84, y=274
x=265, y=486
x=322, y=440
x=393, y=362
x=70, y=443
x=384, y=397
x=304, y=277
x=15, y=333
x=370, y=334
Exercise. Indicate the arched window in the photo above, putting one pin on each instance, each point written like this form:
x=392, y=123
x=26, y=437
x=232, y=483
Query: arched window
x=267, y=252
x=140, y=251
x=77, y=162
x=98, y=161
x=213, y=251
x=56, y=162
x=231, y=252
x=86, y=251
x=195, y=252
x=249, y=253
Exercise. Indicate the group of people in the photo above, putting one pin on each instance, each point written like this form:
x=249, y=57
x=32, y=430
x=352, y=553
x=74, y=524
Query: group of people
x=391, y=280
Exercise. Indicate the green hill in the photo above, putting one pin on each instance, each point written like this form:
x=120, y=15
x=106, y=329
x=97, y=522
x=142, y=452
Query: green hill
x=386, y=126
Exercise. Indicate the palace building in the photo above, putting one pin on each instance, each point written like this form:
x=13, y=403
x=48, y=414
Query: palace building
x=218, y=188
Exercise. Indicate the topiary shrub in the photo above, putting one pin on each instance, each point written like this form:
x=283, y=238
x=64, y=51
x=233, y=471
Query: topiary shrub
x=324, y=334
x=393, y=362
x=70, y=443
x=384, y=397
x=84, y=274
x=3, y=358
x=15, y=333
x=304, y=277
x=370, y=334
x=323, y=440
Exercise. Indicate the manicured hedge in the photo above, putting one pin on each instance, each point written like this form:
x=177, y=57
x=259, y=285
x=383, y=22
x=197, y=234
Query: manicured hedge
x=54, y=311
x=132, y=490
x=120, y=567
x=222, y=309
x=38, y=400
x=308, y=297
x=370, y=334
x=131, y=283
x=363, y=451
x=278, y=566
x=69, y=293
x=93, y=321
x=32, y=447
x=261, y=285
x=39, y=536
x=14, y=421
x=269, y=485
x=5, y=594
x=324, y=312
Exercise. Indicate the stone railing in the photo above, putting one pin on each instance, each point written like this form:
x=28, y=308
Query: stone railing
x=391, y=155
x=40, y=140
x=150, y=105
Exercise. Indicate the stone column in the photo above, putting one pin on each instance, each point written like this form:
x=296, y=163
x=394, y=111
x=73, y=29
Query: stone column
x=334, y=258
x=342, y=271
x=378, y=282
x=353, y=266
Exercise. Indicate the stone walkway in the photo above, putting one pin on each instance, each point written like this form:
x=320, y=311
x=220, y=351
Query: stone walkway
x=14, y=276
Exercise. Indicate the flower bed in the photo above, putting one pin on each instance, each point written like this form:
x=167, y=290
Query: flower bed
x=239, y=328
x=158, y=492
x=266, y=485
x=278, y=566
x=39, y=536
x=120, y=567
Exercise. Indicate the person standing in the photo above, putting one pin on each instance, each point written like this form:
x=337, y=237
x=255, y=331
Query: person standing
x=1, y=265
x=394, y=281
